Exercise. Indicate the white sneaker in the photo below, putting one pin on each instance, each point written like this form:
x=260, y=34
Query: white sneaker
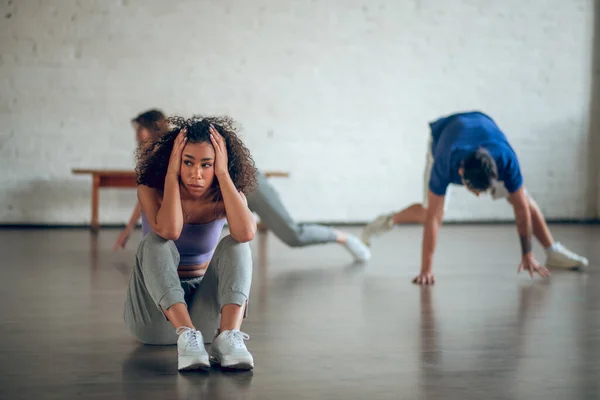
x=229, y=350
x=559, y=256
x=359, y=251
x=381, y=224
x=191, y=351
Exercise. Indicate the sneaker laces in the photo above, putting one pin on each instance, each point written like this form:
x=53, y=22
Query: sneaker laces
x=192, y=336
x=237, y=338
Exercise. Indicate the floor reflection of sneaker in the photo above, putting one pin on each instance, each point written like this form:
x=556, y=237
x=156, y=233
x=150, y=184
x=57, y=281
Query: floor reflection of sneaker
x=229, y=351
x=561, y=257
x=191, y=351
x=379, y=225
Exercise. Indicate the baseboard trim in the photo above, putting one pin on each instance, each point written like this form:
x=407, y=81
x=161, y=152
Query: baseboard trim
x=483, y=222
x=20, y=226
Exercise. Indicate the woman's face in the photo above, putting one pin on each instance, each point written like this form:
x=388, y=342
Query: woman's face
x=197, y=168
x=141, y=134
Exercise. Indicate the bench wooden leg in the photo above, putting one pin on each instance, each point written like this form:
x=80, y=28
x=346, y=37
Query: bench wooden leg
x=95, y=203
x=261, y=228
x=263, y=234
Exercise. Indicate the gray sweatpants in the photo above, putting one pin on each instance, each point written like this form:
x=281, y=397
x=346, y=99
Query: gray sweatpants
x=265, y=202
x=155, y=285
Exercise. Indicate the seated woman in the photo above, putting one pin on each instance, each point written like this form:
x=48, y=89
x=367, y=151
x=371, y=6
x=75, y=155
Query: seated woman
x=187, y=285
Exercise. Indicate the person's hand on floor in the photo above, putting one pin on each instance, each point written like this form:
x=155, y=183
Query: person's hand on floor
x=122, y=239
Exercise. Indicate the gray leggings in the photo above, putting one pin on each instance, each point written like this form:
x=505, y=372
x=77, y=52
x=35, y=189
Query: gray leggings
x=265, y=202
x=155, y=285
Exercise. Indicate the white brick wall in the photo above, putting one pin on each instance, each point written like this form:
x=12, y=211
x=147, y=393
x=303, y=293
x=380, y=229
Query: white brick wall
x=345, y=87
x=595, y=111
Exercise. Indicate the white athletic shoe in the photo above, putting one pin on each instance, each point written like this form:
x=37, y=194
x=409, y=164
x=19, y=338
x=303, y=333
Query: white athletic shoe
x=559, y=256
x=381, y=224
x=359, y=251
x=191, y=351
x=229, y=350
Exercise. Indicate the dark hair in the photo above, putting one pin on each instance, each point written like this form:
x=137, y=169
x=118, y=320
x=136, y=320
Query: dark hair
x=153, y=161
x=154, y=120
x=479, y=170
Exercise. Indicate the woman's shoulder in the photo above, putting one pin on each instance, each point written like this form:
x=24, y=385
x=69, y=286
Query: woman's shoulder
x=150, y=193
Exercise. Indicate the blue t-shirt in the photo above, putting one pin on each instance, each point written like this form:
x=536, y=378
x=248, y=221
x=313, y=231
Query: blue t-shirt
x=457, y=135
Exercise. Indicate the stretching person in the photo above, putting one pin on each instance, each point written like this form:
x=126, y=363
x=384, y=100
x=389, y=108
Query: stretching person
x=266, y=202
x=470, y=149
x=187, y=285
x=148, y=126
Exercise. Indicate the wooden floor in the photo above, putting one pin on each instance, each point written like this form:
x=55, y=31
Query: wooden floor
x=320, y=327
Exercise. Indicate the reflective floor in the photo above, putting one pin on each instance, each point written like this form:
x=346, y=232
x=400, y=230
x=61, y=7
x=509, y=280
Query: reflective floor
x=320, y=327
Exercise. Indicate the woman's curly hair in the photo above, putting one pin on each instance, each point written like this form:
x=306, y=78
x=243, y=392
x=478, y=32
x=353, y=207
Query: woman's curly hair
x=153, y=161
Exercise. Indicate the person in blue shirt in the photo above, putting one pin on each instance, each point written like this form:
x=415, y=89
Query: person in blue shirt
x=470, y=149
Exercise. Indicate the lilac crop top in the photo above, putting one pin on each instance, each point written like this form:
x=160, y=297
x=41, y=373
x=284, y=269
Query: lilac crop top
x=197, y=242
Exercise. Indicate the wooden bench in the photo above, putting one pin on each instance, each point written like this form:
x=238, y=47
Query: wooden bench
x=115, y=178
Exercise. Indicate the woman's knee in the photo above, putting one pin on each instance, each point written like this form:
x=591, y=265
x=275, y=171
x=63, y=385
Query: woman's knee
x=233, y=259
x=230, y=247
x=154, y=247
x=152, y=240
